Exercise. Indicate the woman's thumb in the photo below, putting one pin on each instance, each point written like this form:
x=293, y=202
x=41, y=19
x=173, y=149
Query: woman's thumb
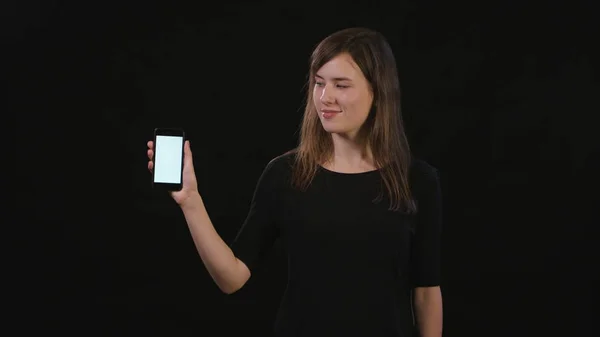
x=187, y=152
x=188, y=162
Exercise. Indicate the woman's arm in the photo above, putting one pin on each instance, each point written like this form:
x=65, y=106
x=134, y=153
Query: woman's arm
x=428, y=311
x=229, y=273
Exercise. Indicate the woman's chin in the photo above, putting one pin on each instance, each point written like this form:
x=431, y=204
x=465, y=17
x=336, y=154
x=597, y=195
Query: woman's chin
x=333, y=128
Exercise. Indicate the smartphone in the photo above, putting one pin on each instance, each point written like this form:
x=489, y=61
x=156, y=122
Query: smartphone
x=168, y=159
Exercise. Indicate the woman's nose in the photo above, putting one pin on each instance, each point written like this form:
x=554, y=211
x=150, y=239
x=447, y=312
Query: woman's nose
x=326, y=97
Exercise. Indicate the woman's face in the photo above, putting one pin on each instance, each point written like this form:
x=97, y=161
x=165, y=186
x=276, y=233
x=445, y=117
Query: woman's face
x=342, y=96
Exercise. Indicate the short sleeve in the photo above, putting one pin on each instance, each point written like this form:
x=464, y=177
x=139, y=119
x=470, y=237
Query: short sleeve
x=426, y=243
x=259, y=231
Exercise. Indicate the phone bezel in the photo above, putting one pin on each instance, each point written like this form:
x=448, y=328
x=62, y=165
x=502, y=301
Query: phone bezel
x=178, y=132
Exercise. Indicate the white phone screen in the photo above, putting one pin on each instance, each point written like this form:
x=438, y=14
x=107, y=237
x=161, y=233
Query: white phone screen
x=167, y=161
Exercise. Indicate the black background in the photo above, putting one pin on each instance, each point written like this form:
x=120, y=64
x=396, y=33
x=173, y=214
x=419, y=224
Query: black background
x=499, y=96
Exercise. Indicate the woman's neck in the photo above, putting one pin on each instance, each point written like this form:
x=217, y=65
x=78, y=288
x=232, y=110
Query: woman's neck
x=349, y=156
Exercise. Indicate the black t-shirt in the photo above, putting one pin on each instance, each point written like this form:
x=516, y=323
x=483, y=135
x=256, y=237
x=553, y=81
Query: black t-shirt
x=352, y=262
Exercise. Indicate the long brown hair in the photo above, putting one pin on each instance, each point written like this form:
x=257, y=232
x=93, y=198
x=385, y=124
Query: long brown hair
x=383, y=131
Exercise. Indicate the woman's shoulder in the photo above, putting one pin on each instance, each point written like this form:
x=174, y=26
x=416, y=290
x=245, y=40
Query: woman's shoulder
x=421, y=167
x=423, y=175
x=281, y=165
x=283, y=161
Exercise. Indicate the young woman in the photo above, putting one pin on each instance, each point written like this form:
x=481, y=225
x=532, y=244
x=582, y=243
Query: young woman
x=359, y=217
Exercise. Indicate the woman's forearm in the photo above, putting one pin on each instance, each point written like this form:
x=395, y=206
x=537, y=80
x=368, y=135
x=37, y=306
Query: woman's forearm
x=428, y=311
x=229, y=273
